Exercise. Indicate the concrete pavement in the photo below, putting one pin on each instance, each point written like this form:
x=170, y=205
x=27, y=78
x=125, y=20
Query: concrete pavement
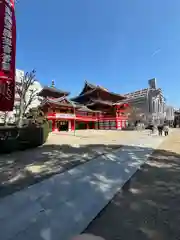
x=60, y=153
x=63, y=206
x=150, y=209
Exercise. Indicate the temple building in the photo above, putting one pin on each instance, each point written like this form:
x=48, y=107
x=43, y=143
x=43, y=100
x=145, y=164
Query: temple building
x=94, y=108
x=150, y=101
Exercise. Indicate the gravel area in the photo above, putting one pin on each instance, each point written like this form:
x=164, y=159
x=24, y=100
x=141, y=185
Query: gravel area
x=148, y=207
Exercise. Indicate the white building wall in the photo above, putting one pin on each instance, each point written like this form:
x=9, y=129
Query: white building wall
x=169, y=113
x=36, y=87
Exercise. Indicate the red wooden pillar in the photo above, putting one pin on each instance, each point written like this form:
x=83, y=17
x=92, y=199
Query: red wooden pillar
x=56, y=129
x=93, y=125
x=117, y=118
x=69, y=125
x=53, y=125
x=116, y=122
x=72, y=125
x=121, y=124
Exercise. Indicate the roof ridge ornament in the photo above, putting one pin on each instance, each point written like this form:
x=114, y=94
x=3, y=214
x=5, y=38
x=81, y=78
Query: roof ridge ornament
x=52, y=84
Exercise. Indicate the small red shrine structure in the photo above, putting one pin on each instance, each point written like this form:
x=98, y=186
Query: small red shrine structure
x=94, y=108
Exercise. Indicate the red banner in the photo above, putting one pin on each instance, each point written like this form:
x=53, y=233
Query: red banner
x=7, y=54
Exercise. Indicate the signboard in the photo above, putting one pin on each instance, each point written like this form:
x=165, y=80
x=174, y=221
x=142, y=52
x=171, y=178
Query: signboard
x=7, y=54
x=64, y=115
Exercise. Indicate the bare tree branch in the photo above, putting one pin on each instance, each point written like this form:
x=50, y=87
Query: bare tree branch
x=23, y=88
x=31, y=98
x=134, y=114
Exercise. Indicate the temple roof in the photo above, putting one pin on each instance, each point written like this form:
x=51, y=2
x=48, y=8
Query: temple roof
x=100, y=102
x=52, y=92
x=55, y=102
x=86, y=109
x=89, y=86
x=122, y=102
x=64, y=102
x=99, y=105
x=93, y=91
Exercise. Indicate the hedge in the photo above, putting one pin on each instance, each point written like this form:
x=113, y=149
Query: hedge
x=50, y=125
x=33, y=136
x=23, y=138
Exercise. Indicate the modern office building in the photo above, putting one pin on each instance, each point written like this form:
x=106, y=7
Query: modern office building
x=150, y=101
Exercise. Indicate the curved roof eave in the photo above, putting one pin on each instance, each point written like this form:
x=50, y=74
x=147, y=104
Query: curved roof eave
x=53, y=90
x=80, y=96
x=93, y=90
x=86, y=86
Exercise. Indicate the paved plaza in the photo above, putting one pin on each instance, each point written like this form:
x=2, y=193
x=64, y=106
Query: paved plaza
x=150, y=210
x=63, y=205
x=62, y=152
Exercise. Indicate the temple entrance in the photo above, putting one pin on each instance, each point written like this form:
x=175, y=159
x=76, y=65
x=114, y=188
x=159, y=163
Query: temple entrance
x=62, y=125
x=91, y=125
x=81, y=125
x=84, y=125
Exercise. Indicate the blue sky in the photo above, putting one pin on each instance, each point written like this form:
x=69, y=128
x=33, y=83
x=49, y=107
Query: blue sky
x=119, y=44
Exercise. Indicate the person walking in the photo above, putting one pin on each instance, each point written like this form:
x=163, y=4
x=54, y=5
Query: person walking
x=160, y=130
x=166, y=130
x=151, y=128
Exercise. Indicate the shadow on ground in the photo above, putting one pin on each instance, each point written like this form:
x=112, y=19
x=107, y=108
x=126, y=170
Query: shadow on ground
x=21, y=169
x=148, y=208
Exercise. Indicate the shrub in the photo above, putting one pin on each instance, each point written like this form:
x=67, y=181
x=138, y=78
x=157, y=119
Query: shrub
x=9, y=145
x=33, y=135
x=28, y=136
x=46, y=131
x=23, y=138
x=8, y=139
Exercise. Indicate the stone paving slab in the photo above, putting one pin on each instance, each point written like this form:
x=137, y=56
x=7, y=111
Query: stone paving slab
x=60, y=153
x=150, y=209
x=63, y=206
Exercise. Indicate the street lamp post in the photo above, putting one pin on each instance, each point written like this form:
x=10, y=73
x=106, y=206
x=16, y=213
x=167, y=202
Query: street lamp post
x=74, y=112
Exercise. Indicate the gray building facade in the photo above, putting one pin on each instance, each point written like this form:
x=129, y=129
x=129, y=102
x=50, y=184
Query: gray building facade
x=150, y=101
x=170, y=114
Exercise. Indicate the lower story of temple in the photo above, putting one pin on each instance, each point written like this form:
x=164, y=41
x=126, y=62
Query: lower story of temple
x=65, y=124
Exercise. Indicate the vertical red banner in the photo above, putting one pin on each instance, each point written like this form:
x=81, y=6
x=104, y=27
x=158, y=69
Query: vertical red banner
x=7, y=54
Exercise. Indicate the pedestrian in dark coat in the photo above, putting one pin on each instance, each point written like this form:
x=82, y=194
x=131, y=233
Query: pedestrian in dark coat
x=160, y=130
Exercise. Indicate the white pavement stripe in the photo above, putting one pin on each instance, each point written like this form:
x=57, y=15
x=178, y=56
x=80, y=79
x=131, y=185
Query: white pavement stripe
x=64, y=205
